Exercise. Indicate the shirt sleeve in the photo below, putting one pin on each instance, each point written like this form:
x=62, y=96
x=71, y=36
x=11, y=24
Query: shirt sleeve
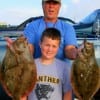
x=66, y=78
x=29, y=33
x=70, y=35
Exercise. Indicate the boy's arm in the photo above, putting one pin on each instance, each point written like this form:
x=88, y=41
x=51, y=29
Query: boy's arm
x=24, y=98
x=68, y=95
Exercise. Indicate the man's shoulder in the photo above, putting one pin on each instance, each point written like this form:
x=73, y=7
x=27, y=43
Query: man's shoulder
x=64, y=24
x=35, y=22
x=37, y=19
x=62, y=21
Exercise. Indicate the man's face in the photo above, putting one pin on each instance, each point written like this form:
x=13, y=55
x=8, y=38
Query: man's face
x=51, y=9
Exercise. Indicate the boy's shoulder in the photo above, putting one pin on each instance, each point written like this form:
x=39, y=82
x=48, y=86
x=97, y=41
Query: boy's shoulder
x=37, y=59
x=60, y=62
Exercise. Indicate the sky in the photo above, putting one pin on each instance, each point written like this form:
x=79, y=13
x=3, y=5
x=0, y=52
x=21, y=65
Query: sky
x=14, y=12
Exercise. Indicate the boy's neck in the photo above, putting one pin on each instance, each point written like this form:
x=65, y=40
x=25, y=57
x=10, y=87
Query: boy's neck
x=46, y=61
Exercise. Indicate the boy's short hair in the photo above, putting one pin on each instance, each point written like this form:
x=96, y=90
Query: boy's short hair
x=52, y=33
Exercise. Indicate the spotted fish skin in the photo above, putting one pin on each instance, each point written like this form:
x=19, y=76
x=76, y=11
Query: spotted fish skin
x=18, y=71
x=85, y=73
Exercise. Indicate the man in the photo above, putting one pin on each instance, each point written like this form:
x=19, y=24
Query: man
x=34, y=30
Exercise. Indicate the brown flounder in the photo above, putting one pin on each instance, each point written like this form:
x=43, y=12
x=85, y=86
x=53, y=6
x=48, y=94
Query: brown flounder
x=18, y=71
x=85, y=74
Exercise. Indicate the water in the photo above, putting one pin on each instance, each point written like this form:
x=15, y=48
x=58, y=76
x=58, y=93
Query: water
x=2, y=50
x=97, y=53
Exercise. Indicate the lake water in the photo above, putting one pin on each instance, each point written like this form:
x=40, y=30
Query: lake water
x=96, y=45
x=2, y=50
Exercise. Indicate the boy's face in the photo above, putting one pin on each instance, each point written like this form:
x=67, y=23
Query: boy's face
x=49, y=48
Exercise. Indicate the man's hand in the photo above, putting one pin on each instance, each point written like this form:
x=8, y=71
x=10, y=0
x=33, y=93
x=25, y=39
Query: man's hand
x=71, y=52
x=9, y=41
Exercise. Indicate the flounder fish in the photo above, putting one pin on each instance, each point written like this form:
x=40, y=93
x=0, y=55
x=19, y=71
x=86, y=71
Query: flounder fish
x=85, y=74
x=18, y=70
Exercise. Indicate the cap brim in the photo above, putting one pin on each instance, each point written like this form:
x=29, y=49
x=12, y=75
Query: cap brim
x=52, y=0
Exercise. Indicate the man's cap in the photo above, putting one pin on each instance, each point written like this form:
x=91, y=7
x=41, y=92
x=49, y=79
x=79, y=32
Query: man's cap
x=59, y=1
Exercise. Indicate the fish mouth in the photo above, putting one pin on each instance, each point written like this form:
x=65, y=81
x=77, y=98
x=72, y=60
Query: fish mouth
x=83, y=46
x=86, y=49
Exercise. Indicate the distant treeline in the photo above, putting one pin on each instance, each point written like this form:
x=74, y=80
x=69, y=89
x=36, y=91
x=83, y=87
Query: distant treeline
x=1, y=26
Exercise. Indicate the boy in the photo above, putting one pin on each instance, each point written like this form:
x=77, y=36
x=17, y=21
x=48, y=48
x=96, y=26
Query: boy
x=53, y=75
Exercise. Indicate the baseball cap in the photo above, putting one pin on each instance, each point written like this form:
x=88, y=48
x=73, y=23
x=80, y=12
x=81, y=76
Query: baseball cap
x=59, y=1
